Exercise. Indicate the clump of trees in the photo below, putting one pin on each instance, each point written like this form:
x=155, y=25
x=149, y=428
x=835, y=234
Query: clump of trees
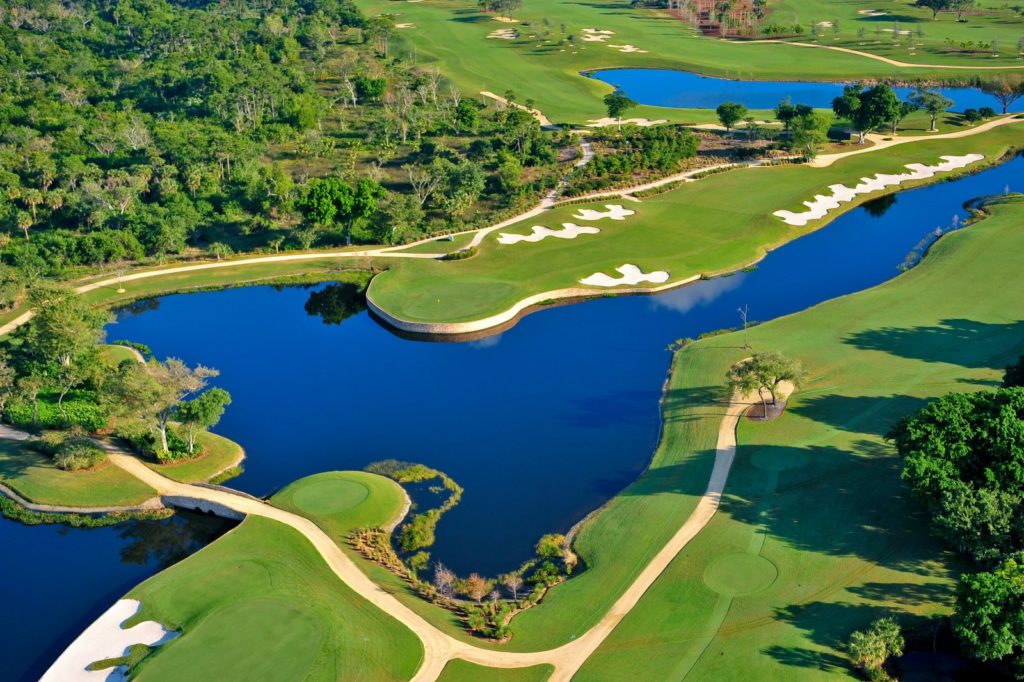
x=964, y=459
x=804, y=129
x=868, y=109
x=632, y=152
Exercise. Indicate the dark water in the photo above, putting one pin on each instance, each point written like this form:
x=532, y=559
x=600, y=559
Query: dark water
x=540, y=424
x=686, y=90
x=57, y=579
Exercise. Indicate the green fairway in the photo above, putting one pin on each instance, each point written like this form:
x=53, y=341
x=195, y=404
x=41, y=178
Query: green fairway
x=700, y=227
x=34, y=477
x=816, y=495
x=260, y=603
x=219, y=454
x=463, y=671
x=115, y=354
x=453, y=36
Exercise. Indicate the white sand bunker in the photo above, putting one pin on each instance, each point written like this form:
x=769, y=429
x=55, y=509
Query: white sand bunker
x=540, y=233
x=593, y=35
x=506, y=20
x=627, y=48
x=630, y=274
x=615, y=212
x=872, y=13
x=406, y=25
x=605, y=122
x=822, y=204
x=105, y=638
x=503, y=34
x=902, y=32
x=825, y=24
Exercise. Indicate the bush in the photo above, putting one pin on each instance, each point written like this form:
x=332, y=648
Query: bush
x=986, y=112
x=972, y=115
x=461, y=254
x=81, y=407
x=69, y=452
x=144, y=442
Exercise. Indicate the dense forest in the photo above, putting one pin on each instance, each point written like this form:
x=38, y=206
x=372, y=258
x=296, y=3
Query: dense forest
x=146, y=129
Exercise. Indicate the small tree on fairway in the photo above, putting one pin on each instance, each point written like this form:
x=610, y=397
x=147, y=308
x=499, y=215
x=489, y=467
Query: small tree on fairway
x=201, y=413
x=764, y=373
x=905, y=109
x=871, y=648
x=730, y=113
x=933, y=102
x=617, y=104
x=935, y=6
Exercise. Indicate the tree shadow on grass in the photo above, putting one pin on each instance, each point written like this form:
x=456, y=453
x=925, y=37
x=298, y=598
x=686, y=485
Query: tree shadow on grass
x=831, y=624
x=859, y=414
x=907, y=595
x=688, y=478
x=836, y=502
x=694, y=402
x=968, y=343
x=799, y=657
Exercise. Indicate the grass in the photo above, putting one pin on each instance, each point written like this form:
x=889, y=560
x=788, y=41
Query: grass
x=814, y=513
x=464, y=671
x=34, y=477
x=260, y=603
x=699, y=227
x=452, y=36
x=114, y=355
x=341, y=501
x=219, y=454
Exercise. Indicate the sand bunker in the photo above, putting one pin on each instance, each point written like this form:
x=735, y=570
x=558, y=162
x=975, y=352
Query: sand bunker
x=593, y=35
x=503, y=34
x=105, y=638
x=872, y=13
x=822, y=204
x=540, y=233
x=630, y=274
x=605, y=122
x=902, y=32
x=615, y=212
x=506, y=20
x=825, y=24
x=627, y=48
x=407, y=25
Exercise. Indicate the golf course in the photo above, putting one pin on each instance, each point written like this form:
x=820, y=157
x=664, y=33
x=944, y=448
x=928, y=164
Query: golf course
x=488, y=370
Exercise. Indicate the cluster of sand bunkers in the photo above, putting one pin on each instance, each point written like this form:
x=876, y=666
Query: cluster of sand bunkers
x=596, y=35
x=628, y=273
x=822, y=204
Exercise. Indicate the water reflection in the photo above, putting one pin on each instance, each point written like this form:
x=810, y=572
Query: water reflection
x=166, y=543
x=335, y=303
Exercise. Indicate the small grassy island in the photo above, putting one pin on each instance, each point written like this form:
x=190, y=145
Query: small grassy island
x=835, y=492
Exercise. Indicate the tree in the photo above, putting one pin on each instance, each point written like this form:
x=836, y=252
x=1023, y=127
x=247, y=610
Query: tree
x=931, y=101
x=154, y=391
x=1006, y=88
x=551, y=546
x=871, y=648
x=785, y=112
x=808, y=132
x=867, y=109
x=935, y=6
x=905, y=109
x=963, y=456
x=1014, y=375
x=513, y=581
x=730, y=113
x=616, y=104
x=201, y=413
x=444, y=579
x=960, y=7
x=989, y=613
x=59, y=343
x=476, y=587
x=764, y=373
x=8, y=383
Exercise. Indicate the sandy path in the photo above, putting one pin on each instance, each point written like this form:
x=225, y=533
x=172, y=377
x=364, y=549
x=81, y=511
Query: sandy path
x=879, y=142
x=886, y=60
x=440, y=648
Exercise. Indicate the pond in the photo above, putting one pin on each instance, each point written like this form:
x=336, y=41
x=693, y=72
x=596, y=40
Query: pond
x=540, y=424
x=58, y=579
x=683, y=89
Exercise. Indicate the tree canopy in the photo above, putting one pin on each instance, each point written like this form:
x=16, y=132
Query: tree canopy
x=867, y=109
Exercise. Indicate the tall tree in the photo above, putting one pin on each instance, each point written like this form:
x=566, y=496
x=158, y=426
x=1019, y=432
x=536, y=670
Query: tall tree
x=730, y=113
x=1006, y=88
x=202, y=413
x=764, y=373
x=935, y=6
x=616, y=103
x=867, y=109
x=989, y=614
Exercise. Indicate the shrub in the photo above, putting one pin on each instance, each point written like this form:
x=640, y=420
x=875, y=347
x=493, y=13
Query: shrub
x=986, y=112
x=972, y=115
x=77, y=453
x=144, y=442
x=461, y=254
x=81, y=407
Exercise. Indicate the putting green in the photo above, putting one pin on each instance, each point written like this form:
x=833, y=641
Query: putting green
x=330, y=496
x=735, y=575
x=217, y=649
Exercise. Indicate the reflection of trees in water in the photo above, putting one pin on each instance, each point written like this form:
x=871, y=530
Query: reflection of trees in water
x=336, y=302
x=143, y=305
x=168, y=542
x=876, y=208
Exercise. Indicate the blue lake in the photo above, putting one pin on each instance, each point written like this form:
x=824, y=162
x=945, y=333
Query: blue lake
x=686, y=90
x=540, y=424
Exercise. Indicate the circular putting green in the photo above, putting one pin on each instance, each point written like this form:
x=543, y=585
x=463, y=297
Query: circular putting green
x=735, y=575
x=330, y=496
